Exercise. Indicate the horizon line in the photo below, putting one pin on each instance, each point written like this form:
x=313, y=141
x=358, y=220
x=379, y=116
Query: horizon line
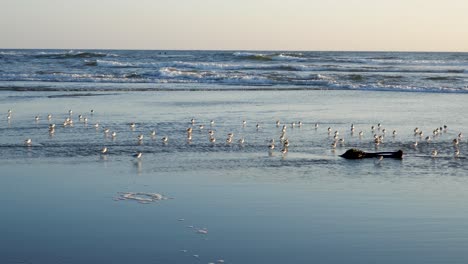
x=270, y=50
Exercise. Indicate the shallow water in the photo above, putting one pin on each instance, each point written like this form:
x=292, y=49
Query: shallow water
x=59, y=195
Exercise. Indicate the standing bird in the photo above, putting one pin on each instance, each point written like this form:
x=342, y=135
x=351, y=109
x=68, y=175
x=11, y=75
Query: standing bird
x=104, y=150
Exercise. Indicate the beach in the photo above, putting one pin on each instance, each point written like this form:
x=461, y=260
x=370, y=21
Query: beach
x=196, y=201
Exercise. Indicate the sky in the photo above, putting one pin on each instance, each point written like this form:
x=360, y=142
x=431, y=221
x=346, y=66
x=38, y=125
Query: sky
x=347, y=25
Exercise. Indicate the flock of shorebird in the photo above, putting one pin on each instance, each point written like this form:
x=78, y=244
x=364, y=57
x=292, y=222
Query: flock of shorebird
x=379, y=133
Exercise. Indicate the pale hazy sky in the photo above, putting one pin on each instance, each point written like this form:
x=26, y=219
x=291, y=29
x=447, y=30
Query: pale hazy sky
x=395, y=25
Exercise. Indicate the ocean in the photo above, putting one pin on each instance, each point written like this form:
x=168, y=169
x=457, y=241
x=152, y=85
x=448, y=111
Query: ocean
x=168, y=70
x=222, y=193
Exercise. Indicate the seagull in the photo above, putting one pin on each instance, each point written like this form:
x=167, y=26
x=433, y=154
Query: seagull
x=244, y=123
x=165, y=140
x=92, y=111
x=278, y=123
x=140, y=137
x=316, y=125
x=153, y=133
x=212, y=122
x=132, y=125
x=192, y=121
x=70, y=112
x=241, y=141
x=212, y=139
x=455, y=142
x=104, y=150
x=137, y=155
x=49, y=117
x=28, y=142
x=457, y=153
x=114, y=134
x=434, y=153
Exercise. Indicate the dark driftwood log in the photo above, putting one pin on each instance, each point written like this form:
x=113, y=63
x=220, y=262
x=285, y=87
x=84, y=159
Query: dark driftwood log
x=359, y=154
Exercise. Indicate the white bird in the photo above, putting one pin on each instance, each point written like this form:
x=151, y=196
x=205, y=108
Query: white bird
x=137, y=155
x=28, y=142
x=104, y=150
x=241, y=141
x=457, y=153
x=165, y=139
x=132, y=125
x=212, y=139
x=153, y=133
x=114, y=134
x=140, y=137
x=49, y=117
x=434, y=153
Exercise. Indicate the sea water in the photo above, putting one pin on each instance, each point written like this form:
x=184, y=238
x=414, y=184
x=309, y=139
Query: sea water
x=63, y=201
